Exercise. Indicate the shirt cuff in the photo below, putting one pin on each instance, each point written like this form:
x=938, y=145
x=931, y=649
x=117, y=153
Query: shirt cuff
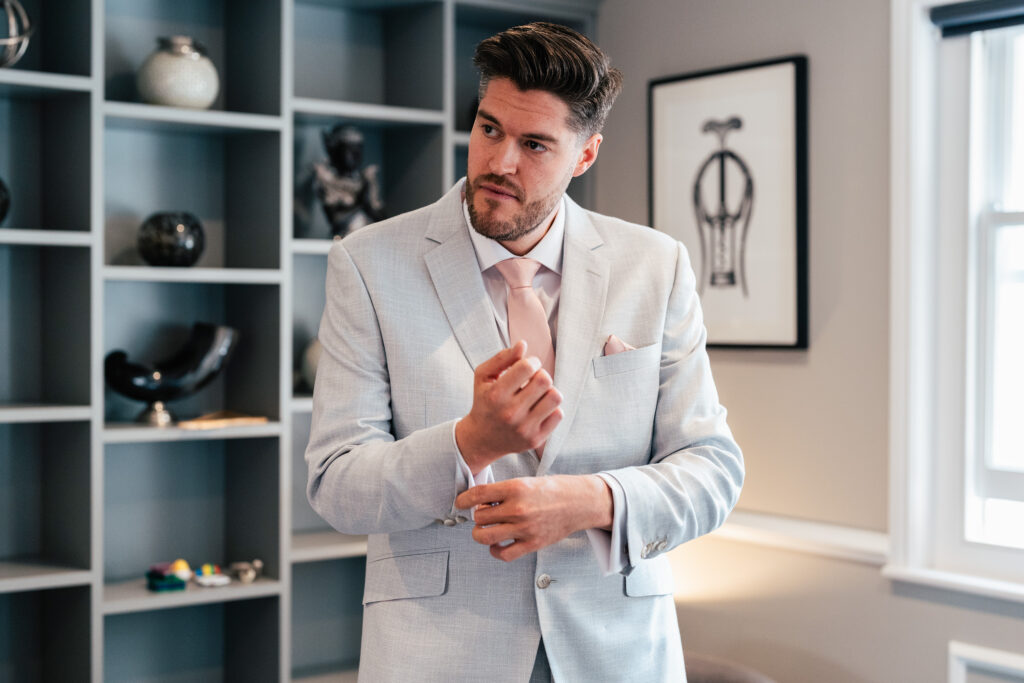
x=464, y=478
x=610, y=546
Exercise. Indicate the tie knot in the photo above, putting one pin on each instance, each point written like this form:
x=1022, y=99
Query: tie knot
x=518, y=272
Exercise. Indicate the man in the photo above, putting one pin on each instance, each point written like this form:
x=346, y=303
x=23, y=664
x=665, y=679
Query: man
x=522, y=438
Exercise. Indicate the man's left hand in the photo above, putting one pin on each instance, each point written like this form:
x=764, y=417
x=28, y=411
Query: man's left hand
x=535, y=512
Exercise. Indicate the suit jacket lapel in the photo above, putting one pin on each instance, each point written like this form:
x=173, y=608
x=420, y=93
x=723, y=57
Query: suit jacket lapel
x=455, y=272
x=580, y=310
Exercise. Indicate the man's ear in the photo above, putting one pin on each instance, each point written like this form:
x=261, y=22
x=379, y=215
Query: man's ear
x=588, y=155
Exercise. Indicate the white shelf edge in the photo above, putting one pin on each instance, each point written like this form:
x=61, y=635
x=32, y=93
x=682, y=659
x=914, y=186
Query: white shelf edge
x=312, y=246
x=827, y=540
x=461, y=138
x=29, y=575
x=340, y=676
x=133, y=596
x=301, y=404
x=43, y=80
x=132, y=433
x=244, y=276
x=29, y=412
x=46, y=238
x=152, y=113
x=367, y=112
x=325, y=545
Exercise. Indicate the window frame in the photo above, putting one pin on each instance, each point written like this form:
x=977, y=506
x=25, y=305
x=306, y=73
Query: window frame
x=928, y=491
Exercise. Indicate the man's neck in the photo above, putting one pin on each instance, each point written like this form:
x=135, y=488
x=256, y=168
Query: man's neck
x=524, y=244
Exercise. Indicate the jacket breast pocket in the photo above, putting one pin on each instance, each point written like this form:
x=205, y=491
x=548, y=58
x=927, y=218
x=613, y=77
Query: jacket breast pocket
x=652, y=577
x=412, y=575
x=627, y=361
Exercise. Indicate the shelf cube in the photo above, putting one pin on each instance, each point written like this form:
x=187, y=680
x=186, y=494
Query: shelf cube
x=242, y=39
x=354, y=52
x=234, y=641
x=230, y=180
x=327, y=616
x=44, y=325
x=44, y=635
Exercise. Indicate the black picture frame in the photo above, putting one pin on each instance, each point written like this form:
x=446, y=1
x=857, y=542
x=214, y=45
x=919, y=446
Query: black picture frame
x=732, y=143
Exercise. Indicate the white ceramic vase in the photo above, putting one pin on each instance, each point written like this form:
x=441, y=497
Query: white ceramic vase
x=178, y=74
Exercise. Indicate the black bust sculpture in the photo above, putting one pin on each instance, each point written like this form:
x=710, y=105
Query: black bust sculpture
x=349, y=194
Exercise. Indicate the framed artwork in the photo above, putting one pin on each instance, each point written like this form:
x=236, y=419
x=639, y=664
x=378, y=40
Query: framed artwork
x=728, y=178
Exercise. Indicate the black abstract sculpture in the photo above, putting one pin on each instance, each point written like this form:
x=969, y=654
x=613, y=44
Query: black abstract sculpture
x=5, y=200
x=171, y=238
x=723, y=247
x=195, y=365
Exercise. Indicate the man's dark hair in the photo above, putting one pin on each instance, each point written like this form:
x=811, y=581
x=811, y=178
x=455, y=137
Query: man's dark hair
x=557, y=59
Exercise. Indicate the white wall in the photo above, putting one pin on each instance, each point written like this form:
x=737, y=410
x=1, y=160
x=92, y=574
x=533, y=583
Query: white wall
x=817, y=448
x=814, y=424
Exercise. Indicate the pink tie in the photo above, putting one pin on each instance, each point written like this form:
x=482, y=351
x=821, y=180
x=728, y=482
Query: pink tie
x=526, y=317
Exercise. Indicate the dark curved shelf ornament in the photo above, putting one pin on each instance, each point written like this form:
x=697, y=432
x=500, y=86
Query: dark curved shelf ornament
x=191, y=368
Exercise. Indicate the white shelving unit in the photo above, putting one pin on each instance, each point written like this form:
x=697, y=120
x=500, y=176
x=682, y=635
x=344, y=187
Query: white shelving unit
x=95, y=497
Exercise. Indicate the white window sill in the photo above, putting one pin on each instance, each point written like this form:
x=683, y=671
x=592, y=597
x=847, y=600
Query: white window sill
x=964, y=583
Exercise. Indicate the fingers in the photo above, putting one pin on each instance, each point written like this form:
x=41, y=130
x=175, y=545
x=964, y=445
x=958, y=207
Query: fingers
x=484, y=494
x=499, y=362
x=493, y=535
x=518, y=375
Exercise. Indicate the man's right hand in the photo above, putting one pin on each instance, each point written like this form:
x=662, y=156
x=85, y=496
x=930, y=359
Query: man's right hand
x=515, y=407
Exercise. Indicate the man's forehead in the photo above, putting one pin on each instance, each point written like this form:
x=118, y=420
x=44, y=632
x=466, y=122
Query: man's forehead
x=506, y=103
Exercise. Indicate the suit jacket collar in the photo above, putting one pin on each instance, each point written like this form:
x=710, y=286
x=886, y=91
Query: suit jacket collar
x=456, y=275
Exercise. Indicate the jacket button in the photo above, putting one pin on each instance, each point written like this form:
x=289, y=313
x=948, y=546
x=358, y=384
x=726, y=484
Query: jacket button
x=461, y=518
x=543, y=581
x=661, y=546
x=448, y=521
x=646, y=551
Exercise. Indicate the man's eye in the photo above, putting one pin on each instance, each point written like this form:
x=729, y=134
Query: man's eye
x=488, y=129
x=535, y=146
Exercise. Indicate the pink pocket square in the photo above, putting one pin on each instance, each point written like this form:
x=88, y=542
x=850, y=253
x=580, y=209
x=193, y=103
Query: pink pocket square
x=615, y=345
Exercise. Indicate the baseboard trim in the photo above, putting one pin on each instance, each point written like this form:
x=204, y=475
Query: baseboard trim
x=818, y=538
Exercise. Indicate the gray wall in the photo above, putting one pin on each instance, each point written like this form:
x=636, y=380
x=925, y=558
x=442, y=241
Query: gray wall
x=817, y=448
x=814, y=424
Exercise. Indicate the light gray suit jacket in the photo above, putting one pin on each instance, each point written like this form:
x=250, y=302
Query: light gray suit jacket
x=406, y=321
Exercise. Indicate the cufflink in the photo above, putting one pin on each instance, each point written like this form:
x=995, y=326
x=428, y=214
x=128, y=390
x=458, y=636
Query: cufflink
x=448, y=521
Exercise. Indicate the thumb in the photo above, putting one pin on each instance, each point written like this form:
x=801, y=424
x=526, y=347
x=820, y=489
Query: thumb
x=501, y=361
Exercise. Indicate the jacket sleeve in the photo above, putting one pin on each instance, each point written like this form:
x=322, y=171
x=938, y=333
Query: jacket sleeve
x=361, y=479
x=696, y=469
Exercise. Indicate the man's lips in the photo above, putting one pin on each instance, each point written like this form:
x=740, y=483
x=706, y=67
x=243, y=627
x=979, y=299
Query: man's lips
x=499, y=192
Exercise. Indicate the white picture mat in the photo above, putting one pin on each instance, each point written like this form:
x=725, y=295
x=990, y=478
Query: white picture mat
x=764, y=98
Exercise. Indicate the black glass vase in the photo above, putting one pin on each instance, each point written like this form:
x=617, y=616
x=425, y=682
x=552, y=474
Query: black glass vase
x=5, y=200
x=171, y=238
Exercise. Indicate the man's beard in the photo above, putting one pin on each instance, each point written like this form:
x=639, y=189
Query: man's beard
x=521, y=223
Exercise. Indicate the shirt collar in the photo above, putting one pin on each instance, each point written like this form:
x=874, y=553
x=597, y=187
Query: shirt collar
x=548, y=251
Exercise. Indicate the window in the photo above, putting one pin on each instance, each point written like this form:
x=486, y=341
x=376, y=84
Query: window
x=957, y=318
x=995, y=446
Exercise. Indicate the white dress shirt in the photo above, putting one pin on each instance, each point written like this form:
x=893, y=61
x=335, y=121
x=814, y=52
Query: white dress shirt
x=608, y=546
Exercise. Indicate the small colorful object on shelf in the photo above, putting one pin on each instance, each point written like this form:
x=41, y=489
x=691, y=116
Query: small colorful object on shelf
x=210, y=576
x=168, y=576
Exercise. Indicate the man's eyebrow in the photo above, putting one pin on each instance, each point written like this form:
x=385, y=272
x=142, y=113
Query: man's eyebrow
x=543, y=137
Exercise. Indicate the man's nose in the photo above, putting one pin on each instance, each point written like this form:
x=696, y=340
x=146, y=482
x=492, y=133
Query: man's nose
x=505, y=158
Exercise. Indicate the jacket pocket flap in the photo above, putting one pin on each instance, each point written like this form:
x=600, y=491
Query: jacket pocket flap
x=653, y=577
x=416, y=575
x=626, y=360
